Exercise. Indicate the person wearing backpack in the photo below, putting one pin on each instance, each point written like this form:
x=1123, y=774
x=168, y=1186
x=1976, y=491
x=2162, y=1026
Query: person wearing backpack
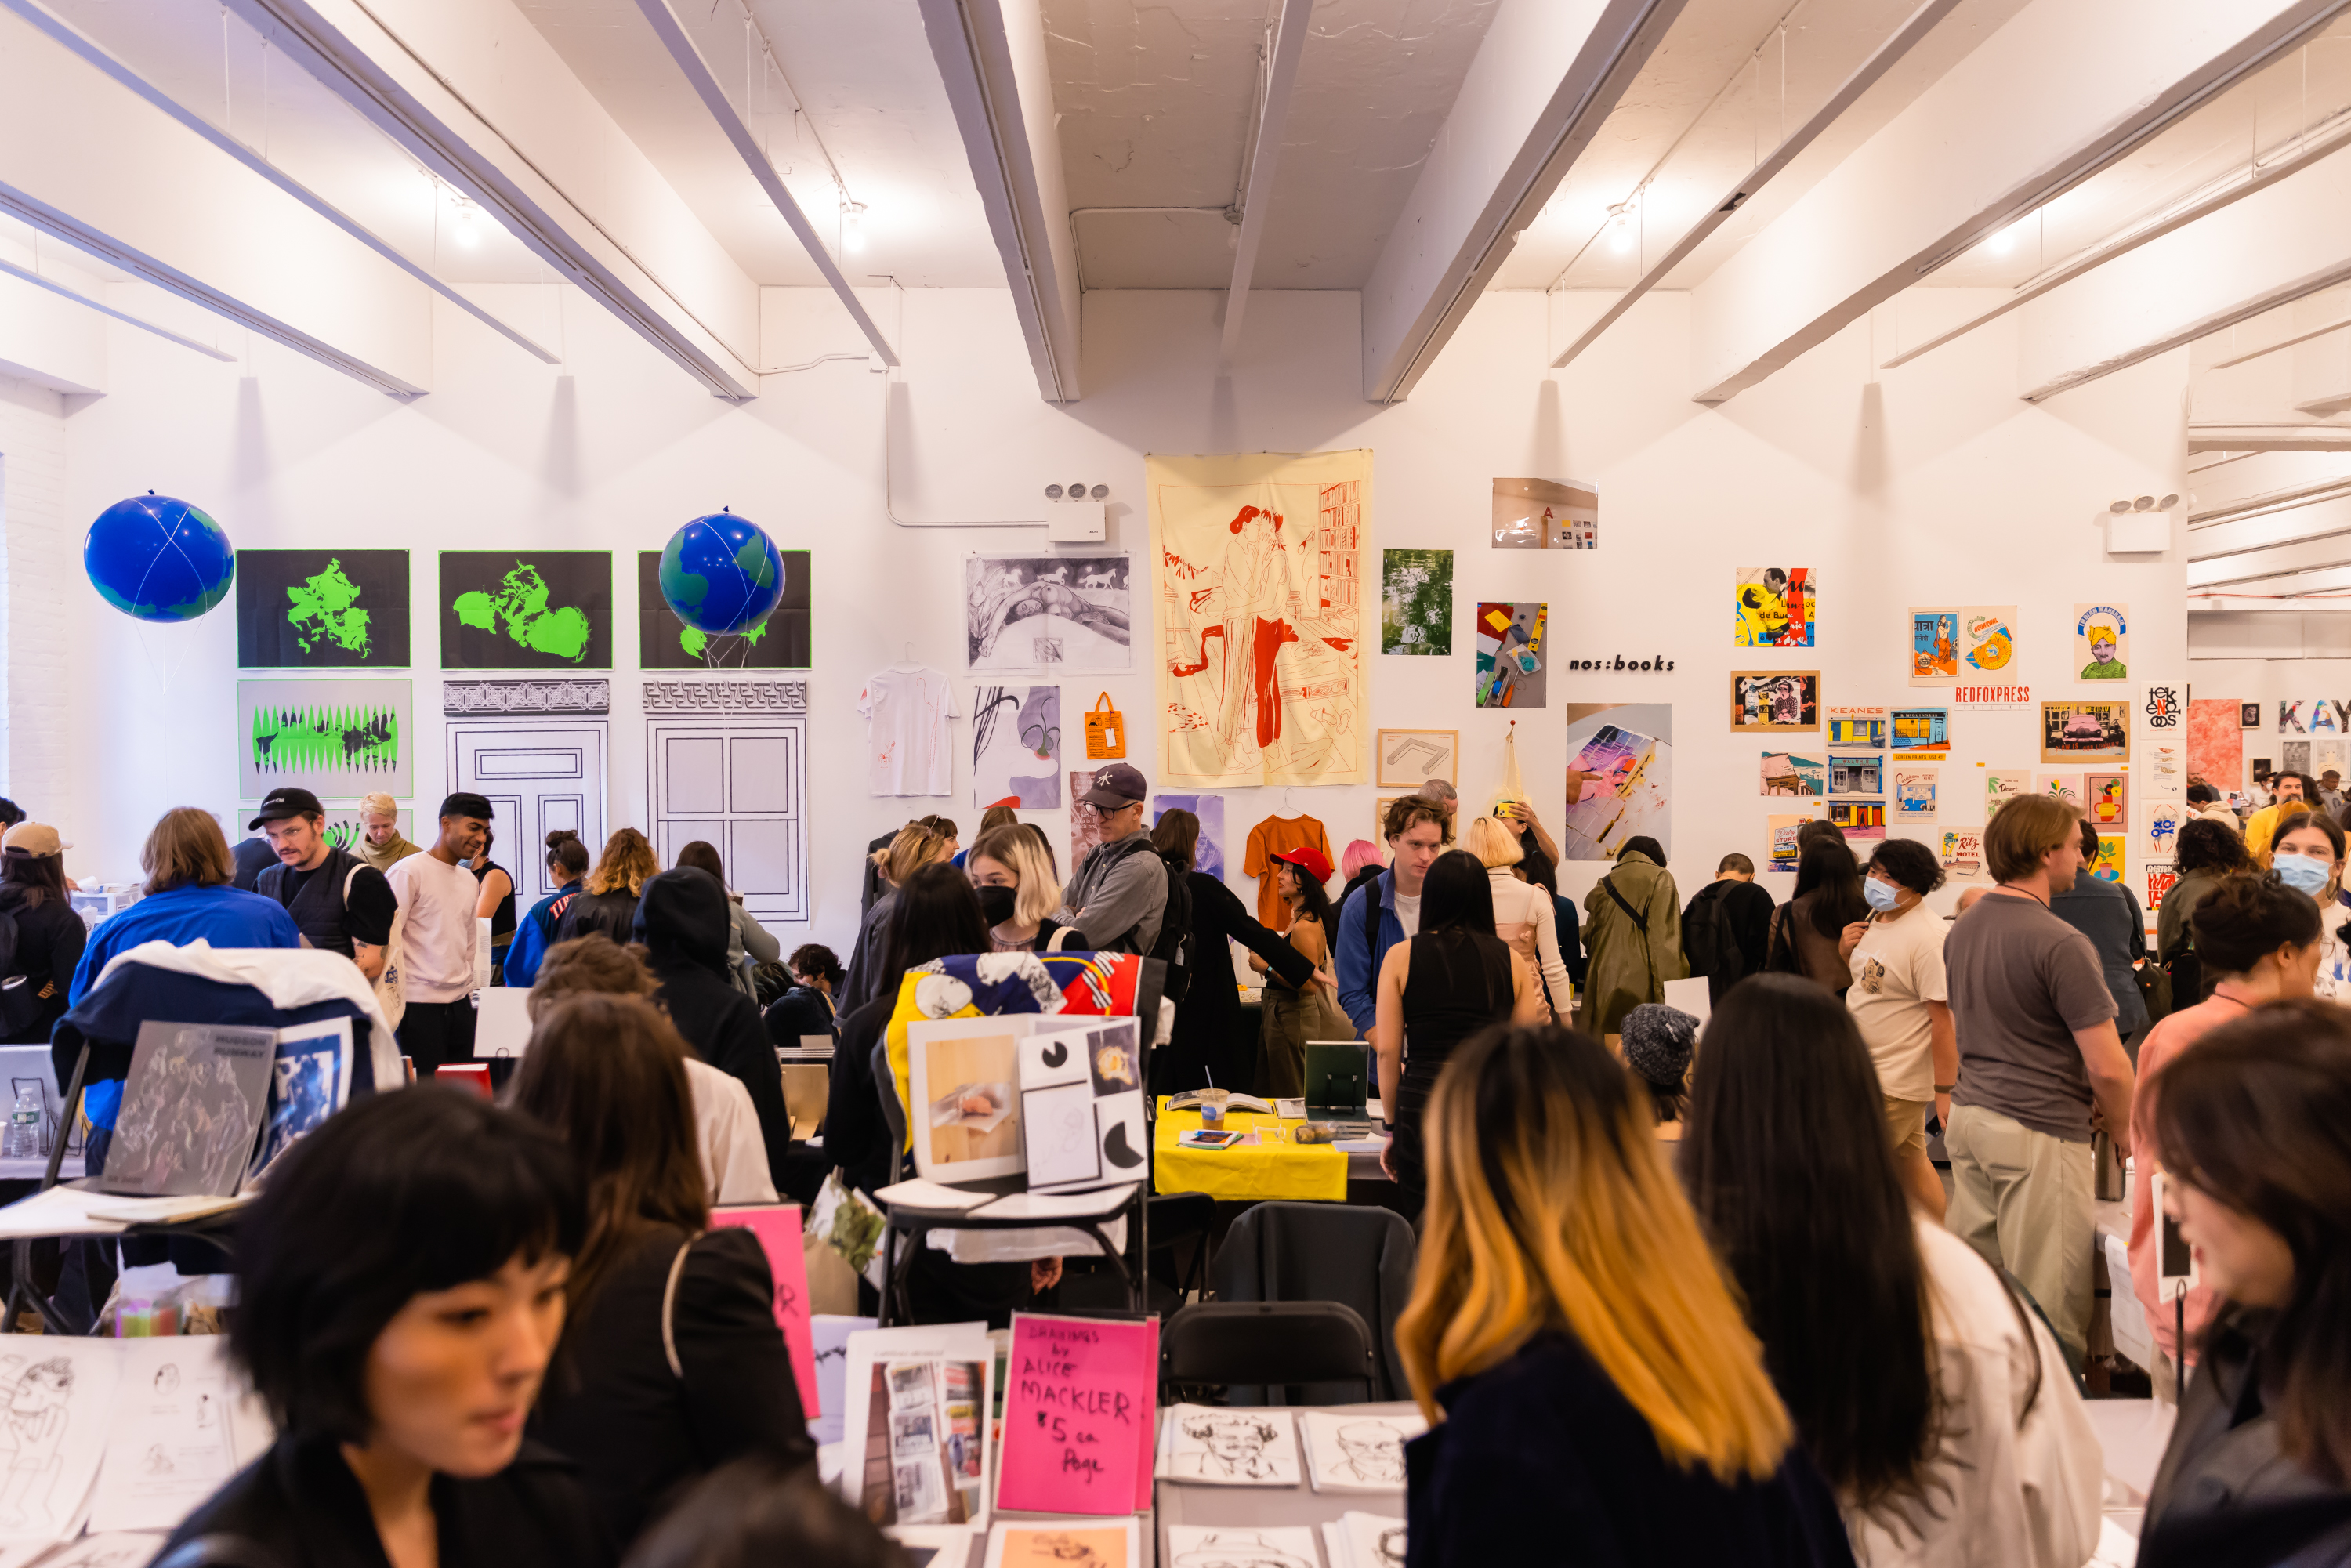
x=38, y=927
x=1635, y=937
x=1727, y=929
x=338, y=902
x=1120, y=894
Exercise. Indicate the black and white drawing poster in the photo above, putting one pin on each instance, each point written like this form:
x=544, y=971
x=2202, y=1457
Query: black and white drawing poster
x=56, y=1401
x=781, y=642
x=526, y=610
x=192, y=1107
x=173, y=1440
x=1048, y=612
x=322, y=609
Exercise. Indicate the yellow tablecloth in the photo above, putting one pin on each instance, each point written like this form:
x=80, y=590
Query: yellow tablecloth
x=1246, y=1172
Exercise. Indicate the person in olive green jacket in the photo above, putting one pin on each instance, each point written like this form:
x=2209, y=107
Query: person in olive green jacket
x=1633, y=934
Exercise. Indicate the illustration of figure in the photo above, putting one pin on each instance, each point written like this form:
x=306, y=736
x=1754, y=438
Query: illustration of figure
x=1001, y=598
x=1240, y=1548
x=156, y=1462
x=33, y=1428
x=2103, y=665
x=1764, y=610
x=1788, y=702
x=167, y=1380
x=1391, y=1546
x=1260, y=613
x=1061, y=1548
x=1236, y=1446
x=1374, y=1452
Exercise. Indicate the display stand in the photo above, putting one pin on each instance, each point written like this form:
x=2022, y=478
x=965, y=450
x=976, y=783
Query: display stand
x=916, y=1223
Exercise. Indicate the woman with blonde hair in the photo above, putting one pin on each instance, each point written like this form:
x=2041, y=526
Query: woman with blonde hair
x=1577, y=1349
x=607, y=904
x=1017, y=891
x=918, y=844
x=1523, y=916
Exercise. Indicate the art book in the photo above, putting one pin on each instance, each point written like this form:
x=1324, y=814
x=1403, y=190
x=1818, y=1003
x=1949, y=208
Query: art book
x=1082, y=1106
x=1079, y=1405
x=1351, y=1453
x=191, y=1108
x=1215, y=1445
x=1068, y=1545
x=918, y=1401
x=310, y=1080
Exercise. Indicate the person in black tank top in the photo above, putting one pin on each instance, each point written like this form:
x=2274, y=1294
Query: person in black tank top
x=1437, y=988
x=498, y=906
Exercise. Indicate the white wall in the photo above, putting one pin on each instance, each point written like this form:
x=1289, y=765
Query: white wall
x=38, y=554
x=2266, y=656
x=1935, y=485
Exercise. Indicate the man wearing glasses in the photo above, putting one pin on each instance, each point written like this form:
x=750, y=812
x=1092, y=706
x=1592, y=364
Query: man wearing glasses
x=1119, y=894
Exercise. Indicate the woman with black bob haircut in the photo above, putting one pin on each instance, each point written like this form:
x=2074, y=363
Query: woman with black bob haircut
x=2254, y=1125
x=1806, y=929
x=404, y=1280
x=2208, y=851
x=1932, y=1401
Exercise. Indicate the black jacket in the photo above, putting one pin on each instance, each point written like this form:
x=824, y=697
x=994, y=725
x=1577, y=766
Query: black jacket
x=1542, y=1449
x=638, y=1431
x=614, y=913
x=1210, y=1035
x=682, y=920
x=298, y=1506
x=856, y=1134
x=797, y=1013
x=49, y=940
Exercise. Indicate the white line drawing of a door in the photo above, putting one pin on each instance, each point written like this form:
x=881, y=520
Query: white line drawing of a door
x=537, y=776
x=742, y=786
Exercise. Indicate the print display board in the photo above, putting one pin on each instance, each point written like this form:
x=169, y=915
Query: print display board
x=781, y=642
x=334, y=738
x=1257, y=566
x=314, y=609
x=529, y=610
x=1049, y=612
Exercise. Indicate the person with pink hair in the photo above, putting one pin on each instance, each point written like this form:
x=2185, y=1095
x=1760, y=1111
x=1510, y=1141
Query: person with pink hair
x=1360, y=861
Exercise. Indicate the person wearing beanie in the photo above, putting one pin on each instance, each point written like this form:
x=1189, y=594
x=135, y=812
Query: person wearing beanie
x=1659, y=1041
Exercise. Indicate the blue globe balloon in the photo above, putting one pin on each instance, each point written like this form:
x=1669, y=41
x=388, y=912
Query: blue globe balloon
x=158, y=558
x=721, y=574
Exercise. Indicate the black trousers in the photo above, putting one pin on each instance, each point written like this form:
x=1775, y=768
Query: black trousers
x=434, y=1034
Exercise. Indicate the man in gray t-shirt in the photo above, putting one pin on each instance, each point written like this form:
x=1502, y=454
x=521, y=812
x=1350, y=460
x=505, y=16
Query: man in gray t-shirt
x=2040, y=1063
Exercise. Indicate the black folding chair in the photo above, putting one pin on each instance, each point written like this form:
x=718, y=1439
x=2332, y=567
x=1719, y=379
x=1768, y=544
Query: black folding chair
x=1279, y=1346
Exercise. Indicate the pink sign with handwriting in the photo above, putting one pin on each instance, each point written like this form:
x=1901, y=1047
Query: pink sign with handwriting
x=777, y=1226
x=1080, y=1407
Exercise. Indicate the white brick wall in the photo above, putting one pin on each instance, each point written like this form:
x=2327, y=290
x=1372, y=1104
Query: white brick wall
x=39, y=550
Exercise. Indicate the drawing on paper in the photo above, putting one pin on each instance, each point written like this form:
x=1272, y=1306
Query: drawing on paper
x=334, y=738
x=1933, y=647
x=2106, y=801
x=1545, y=514
x=728, y=765
x=1914, y=794
x=1060, y=1547
x=1988, y=638
x=540, y=609
x=2159, y=838
x=1627, y=749
x=33, y=1426
x=1417, y=602
x=1257, y=565
x=1048, y=612
x=2001, y=787
x=781, y=642
x=1016, y=746
x=1242, y=1447
x=1365, y=1541
x=1785, y=774
x=1856, y=776
x=1863, y=728
x=1858, y=819
x=1783, y=831
x=1921, y=733
x=1357, y=1453
x=1208, y=854
x=1962, y=853
x=1775, y=699
x=1510, y=656
x=2102, y=642
x=2085, y=731
x=1407, y=758
x=1191, y=1546
x=313, y=609
x=1776, y=606
x=2110, y=865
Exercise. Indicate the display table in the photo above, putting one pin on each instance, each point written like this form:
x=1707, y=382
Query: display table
x=1275, y=1167
x=1246, y=1508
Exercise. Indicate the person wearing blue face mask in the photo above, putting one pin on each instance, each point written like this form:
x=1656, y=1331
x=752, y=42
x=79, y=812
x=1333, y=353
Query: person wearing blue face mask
x=2307, y=855
x=1900, y=1003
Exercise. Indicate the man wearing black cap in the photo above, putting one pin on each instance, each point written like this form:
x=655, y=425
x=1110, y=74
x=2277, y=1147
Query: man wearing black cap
x=439, y=937
x=1118, y=897
x=340, y=902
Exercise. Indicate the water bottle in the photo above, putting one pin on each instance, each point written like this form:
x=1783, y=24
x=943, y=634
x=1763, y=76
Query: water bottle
x=23, y=1139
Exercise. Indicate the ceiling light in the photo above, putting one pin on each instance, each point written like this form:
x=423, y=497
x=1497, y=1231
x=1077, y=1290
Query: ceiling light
x=469, y=229
x=2004, y=241
x=852, y=227
x=1620, y=227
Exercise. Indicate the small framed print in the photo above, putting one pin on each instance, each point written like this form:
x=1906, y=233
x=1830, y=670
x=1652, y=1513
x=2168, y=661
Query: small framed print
x=1411, y=757
x=1775, y=699
x=2249, y=716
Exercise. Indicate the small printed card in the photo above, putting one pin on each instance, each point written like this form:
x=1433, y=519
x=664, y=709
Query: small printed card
x=1230, y=1446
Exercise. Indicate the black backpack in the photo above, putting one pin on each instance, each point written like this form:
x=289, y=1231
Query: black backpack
x=1708, y=943
x=1174, y=921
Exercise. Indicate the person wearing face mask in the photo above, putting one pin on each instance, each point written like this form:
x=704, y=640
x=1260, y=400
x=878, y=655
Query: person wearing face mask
x=1900, y=1002
x=2259, y=940
x=1017, y=891
x=2307, y=856
x=2107, y=913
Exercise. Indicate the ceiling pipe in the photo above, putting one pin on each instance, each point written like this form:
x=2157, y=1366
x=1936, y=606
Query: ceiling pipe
x=103, y=309
x=1257, y=203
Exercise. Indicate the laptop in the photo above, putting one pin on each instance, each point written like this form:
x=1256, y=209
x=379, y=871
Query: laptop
x=1338, y=1079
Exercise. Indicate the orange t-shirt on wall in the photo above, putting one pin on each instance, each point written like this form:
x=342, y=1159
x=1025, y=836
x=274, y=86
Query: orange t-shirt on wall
x=1268, y=839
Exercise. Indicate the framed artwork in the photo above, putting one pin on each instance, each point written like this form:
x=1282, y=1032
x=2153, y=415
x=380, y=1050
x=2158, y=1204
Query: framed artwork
x=1417, y=602
x=322, y=609
x=1775, y=606
x=1933, y=647
x=781, y=642
x=1775, y=699
x=527, y=609
x=2249, y=716
x=1407, y=758
x=2102, y=643
x=2085, y=731
x=1380, y=804
x=1048, y=612
x=1803, y=777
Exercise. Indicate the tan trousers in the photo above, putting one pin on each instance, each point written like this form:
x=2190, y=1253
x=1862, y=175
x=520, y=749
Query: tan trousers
x=2022, y=1200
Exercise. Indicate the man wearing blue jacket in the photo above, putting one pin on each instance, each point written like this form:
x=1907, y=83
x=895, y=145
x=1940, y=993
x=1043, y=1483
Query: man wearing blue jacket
x=1418, y=829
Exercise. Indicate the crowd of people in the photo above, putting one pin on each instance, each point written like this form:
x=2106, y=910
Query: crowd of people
x=1694, y=1293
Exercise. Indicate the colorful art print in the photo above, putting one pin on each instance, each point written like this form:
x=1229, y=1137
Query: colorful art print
x=2111, y=863
x=2102, y=642
x=2162, y=707
x=1987, y=638
x=1049, y=612
x=1921, y=733
x=2216, y=742
x=529, y=610
x=335, y=738
x=2312, y=715
x=2158, y=836
x=1208, y=853
x=1016, y=748
x=2001, y=787
x=2160, y=880
x=1802, y=777
x=2083, y=731
x=1856, y=776
x=2249, y=715
x=1857, y=727
x=1858, y=819
x=2166, y=762
x=1775, y=699
x=1545, y=514
x=2106, y=801
x=2065, y=787
x=1407, y=758
x=1933, y=647
x=1260, y=651
x=1417, y=602
x=1962, y=853
x=316, y=610
x=1914, y=794
x=784, y=641
x=1776, y=606
x=1628, y=750
x=1510, y=653
x=1784, y=850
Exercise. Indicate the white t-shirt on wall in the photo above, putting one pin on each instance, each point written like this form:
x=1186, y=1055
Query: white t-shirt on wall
x=909, y=746
x=1897, y=970
x=437, y=941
